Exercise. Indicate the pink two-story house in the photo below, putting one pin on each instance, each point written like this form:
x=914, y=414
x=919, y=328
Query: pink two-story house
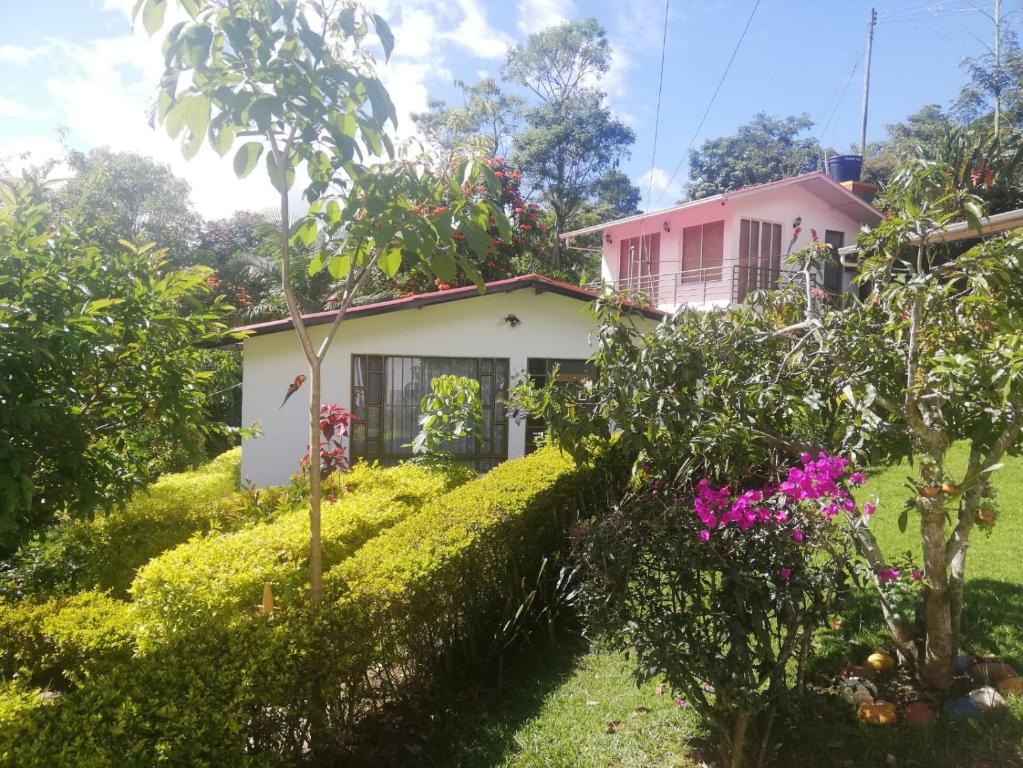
x=715, y=251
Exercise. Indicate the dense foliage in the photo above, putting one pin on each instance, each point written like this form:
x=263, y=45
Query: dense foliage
x=719, y=590
x=233, y=686
x=451, y=411
x=103, y=384
x=764, y=149
x=105, y=551
x=214, y=580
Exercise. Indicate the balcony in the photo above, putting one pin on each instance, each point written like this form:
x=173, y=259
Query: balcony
x=706, y=287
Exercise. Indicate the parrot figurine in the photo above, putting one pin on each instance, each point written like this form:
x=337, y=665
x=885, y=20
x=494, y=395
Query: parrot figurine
x=293, y=388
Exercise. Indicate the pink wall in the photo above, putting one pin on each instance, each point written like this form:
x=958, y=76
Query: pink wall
x=778, y=205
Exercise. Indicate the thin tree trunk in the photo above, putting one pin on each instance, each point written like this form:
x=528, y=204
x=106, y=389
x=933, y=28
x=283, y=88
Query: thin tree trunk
x=937, y=668
x=738, y=757
x=315, y=549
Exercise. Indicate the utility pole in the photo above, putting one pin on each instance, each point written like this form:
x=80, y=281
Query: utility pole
x=866, y=82
x=998, y=64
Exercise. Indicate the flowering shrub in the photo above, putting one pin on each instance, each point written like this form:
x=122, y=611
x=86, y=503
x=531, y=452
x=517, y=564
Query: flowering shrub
x=334, y=421
x=525, y=251
x=719, y=588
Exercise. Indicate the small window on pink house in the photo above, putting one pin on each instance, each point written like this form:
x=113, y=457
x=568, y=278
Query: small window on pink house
x=703, y=252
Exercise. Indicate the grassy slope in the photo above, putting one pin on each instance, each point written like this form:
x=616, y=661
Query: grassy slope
x=547, y=718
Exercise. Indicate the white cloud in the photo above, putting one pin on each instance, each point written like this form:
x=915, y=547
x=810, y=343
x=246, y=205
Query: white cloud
x=476, y=35
x=654, y=186
x=101, y=89
x=12, y=108
x=21, y=54
x=534, y=15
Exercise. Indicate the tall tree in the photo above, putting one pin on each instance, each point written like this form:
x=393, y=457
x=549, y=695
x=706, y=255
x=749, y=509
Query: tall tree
x=102, y=375
x=297, y=82
x=764, y=149
x=126, y=196
x=990, y=80
x=926, y=127
x=571, y=139
x=486, y=122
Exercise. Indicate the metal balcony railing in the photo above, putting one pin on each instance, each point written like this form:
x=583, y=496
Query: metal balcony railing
x=708, y=285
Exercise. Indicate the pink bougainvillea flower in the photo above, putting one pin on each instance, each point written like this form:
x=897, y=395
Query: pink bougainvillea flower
x=785, y=573
x=798, y=535
x=857, y=478
x=886, y=575
x=868, y=509
x=917, y=574
x=704, y=535
x=681, y=703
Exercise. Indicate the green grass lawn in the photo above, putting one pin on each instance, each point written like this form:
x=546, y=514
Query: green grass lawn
x=584, y=710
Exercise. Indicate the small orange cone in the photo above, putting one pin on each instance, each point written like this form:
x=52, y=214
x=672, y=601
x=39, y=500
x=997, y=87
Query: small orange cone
x=268, y=598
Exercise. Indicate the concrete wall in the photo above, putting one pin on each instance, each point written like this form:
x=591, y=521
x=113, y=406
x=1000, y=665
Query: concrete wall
x=552, y=326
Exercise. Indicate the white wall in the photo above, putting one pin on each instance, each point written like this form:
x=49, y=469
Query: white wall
x=552, y=326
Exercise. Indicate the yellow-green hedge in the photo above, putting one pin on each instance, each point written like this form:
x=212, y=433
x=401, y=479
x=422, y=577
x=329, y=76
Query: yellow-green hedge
x=64, y=641
x=436, y=585
x=105, y=552
x=423, y=590
x=220, y=578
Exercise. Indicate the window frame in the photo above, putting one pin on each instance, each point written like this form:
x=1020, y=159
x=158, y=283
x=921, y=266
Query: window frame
x=703, y=273
x=486, y=454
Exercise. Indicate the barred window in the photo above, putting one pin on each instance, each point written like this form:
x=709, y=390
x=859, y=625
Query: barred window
x=386, y=394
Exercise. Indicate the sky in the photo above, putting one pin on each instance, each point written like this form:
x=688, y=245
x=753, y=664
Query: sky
x=78, y=65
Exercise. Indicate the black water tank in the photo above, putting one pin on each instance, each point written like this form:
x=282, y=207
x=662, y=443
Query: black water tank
x=845, y=167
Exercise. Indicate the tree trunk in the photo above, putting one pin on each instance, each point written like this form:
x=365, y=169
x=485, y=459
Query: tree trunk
x=738, y=756
x=315, y=550
x=936, y=671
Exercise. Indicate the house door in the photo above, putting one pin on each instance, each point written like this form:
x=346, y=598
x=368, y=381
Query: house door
x=639, y=264
x=833, y=268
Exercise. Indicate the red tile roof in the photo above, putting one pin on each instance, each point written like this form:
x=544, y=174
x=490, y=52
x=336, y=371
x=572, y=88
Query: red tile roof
x=539, y=283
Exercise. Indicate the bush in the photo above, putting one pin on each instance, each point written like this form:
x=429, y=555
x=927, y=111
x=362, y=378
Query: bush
x=106, y=551
x=435, y=588
x=213, y=580
x=431, y=587
x=64, y=641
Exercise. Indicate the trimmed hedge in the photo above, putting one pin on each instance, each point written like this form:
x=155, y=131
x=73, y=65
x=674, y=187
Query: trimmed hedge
x=218, y=579
x=427, y=590
x=105, y=552
x=428, y=594
x=64, y=641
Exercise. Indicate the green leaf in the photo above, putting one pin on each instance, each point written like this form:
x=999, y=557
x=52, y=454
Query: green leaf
x=152, y=15
x=306, y=232
x=904, y=519
x=333, y=215
x=390, y=261
x=443, y=265
x=478, y=239
x=974, y=213
x=339, y=266
x=246, y=157
x=191, y=111
x=223, y=140
x=385, y=35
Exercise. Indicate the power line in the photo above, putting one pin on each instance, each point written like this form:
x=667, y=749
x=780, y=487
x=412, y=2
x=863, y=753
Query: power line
x=713, y=97
x=657, y=114
x=840, y=92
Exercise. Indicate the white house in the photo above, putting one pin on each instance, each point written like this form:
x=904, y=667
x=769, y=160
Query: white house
x=386, y=354
x=716, y=250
